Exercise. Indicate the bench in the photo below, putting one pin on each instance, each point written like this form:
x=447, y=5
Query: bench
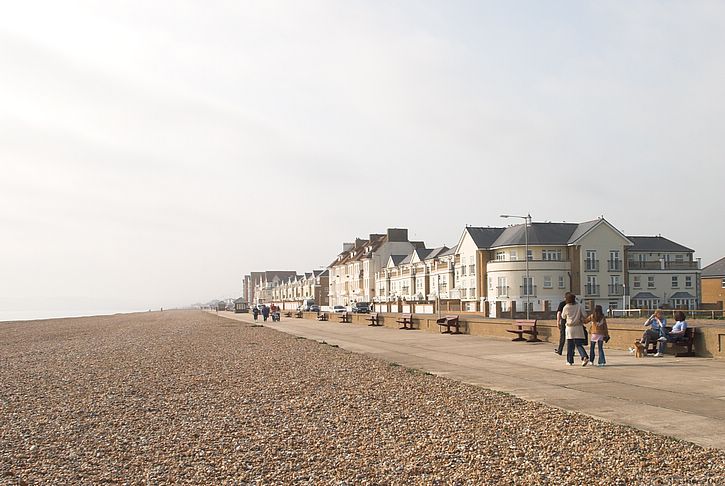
x=449, y=322
x=298, y=314
x=525, y=327
x=406, y=320
x=345, y=317
x=322, y=317
x=686, y=342
x=374, y=319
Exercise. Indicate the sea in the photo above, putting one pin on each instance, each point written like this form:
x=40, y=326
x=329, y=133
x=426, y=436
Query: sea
x=34, y=315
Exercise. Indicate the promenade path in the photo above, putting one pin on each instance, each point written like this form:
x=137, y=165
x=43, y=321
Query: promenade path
x=679, y=397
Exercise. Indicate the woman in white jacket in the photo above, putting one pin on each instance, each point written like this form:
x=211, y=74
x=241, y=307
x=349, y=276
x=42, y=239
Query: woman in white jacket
x=575, y=316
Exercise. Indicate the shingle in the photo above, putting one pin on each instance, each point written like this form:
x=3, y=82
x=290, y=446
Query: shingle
x=644, y=295
x=539, y=234
x=682, y=295
x=716, y=269
x=655, y=243
x=484, y=237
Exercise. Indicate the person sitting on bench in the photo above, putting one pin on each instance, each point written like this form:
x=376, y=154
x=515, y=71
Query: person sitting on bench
x=655, y=328
x=677, y=332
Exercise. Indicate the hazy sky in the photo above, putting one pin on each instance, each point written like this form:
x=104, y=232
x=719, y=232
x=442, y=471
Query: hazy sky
x=152, y=153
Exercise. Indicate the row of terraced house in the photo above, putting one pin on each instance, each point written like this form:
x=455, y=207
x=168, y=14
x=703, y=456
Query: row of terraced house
x=496, y=270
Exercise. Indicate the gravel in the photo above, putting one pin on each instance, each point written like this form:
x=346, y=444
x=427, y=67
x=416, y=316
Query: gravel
x=189, y=397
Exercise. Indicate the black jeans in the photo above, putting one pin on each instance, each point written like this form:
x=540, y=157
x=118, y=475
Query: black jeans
x=562, y=338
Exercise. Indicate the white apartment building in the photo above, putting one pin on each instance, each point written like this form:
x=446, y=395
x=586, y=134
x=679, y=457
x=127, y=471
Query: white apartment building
x=662, y=273
x=352, y=273
x=561, y=257
x=414, y=277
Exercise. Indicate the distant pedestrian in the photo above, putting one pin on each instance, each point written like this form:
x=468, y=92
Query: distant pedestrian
x=574, y=314
x=265, y=312
x=255, y=312
x=598, y=334
x=561, y=324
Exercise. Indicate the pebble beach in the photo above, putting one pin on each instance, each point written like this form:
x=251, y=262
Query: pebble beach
x=187, y=397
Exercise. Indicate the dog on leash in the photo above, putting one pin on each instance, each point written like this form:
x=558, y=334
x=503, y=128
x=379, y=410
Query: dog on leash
x=639, y=350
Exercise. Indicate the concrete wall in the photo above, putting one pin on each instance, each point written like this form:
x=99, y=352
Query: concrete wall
x=709, y=335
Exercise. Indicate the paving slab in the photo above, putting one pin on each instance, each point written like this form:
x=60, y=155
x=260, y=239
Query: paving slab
x=678, y=397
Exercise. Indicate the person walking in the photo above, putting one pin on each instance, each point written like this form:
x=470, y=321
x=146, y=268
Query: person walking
x=561, y=324
x=599, y=333
x=574, y=314
x=255, y=312
x=265, y=312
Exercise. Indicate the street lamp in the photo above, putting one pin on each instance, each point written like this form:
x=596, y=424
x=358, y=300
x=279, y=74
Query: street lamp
x=527, y=222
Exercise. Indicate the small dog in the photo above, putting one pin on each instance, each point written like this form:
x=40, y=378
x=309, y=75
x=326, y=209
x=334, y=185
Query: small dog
x=639, y=350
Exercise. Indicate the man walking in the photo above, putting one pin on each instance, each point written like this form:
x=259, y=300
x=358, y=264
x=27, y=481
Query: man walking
x=561, y=324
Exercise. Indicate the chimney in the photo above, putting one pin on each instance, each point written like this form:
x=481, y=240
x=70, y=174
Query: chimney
x=397, y=234
x=347, y=247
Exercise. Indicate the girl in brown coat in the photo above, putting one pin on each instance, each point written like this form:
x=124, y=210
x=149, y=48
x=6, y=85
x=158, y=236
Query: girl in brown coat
x=599, y=333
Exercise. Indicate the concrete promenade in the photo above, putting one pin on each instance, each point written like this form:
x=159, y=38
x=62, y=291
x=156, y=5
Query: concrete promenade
x=679, y=397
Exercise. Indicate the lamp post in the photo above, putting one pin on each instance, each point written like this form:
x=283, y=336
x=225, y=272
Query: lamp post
x=527, y=222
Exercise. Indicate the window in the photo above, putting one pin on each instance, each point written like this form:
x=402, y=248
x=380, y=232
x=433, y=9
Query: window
x=615, y=264
x=723, y=283
x=500, y=256
x=675, y=282
x=637, y=282
x=561, y=282
x=688, y=281
x=528, y=287
x=591, y=261
x=551, y=255
x=592, y=288
x=650, y=282
x=514, y=256
x=463, y=270
x=679, y=258
x=529, y=255
x=547, y=282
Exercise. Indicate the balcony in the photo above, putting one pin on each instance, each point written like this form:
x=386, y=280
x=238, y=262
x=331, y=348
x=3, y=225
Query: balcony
x=614, y=265
x=529, y=291
x=502, y=291
x=591, y=290
x=591, y=265
x=661, y=265
x=616, y=289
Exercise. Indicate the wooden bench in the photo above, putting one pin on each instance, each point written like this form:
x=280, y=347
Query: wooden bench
x=685, y=341
x=374, y=319
x=525, y=327
x=406, y=320
x=322, y=317
x=298, y=314
x=449, y=322
x=345, y=317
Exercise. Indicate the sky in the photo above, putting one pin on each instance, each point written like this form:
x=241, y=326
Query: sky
x=152, y=153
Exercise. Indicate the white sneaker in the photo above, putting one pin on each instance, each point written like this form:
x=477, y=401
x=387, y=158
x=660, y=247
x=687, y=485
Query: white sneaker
x=662, y=339
x=569, y=364
x=658, y=355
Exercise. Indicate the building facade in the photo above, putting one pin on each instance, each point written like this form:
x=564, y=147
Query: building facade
x=713, y=283
x=352, y=273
